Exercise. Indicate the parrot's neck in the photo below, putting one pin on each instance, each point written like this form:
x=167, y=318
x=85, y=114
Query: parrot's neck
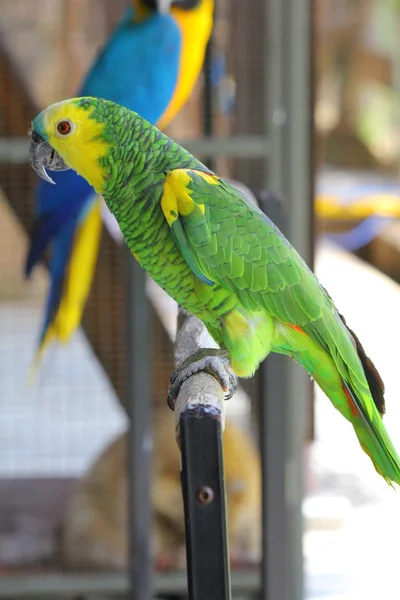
x=136, y=167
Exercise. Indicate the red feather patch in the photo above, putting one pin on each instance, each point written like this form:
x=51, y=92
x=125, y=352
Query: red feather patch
x=296, y=328
x=353, y=407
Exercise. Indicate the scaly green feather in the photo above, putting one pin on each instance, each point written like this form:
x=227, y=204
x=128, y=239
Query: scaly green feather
x=223, y=260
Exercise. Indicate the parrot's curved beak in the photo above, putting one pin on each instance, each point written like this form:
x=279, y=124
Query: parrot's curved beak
x=43, y=156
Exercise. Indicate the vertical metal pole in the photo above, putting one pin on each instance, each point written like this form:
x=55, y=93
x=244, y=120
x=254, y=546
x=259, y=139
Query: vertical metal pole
x=300, y=234
x=203, y=488
x=140, y=441
x=275, y=92
x=208, y=92
x=299, y=173
x=273, y=392
x=288, y=116
x=273, y=374
x=208, y=99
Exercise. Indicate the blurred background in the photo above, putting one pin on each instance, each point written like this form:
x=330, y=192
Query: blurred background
x=63, y=470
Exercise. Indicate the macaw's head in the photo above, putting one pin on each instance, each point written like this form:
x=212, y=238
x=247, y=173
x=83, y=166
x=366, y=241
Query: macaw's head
x=73, y=134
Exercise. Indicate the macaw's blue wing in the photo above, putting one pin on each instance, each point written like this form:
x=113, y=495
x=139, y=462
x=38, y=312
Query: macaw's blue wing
x=138, y=67
x=56, y=211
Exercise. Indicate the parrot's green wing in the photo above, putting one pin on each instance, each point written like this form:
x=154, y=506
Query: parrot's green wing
x=233, y=243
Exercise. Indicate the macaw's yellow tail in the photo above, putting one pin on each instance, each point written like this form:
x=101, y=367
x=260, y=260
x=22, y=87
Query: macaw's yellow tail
x=75, y=284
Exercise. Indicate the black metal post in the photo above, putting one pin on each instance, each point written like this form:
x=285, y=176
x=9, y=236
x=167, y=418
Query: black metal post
x=203, y=487
x=140, y=441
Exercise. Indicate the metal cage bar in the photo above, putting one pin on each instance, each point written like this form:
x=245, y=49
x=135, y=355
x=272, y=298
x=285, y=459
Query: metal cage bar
x=140, y=442
x=289, y=129
x=273, y=393
x=240, y=146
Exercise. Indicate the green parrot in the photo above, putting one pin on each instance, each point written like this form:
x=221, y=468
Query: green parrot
x=219, y=257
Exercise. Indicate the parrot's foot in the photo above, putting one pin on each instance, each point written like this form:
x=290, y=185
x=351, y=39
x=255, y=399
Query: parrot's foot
x=210, y=360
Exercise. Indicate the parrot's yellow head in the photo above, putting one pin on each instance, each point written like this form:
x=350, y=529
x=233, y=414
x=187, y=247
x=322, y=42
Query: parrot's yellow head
x=70, y=135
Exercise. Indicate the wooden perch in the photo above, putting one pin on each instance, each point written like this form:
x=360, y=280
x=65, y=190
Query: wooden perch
x=200, y=390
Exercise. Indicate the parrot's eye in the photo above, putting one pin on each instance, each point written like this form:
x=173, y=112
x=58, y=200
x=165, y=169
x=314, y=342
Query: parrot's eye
x=64, y=127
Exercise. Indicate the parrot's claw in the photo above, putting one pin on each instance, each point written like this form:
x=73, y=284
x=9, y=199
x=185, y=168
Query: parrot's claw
x=209, y=360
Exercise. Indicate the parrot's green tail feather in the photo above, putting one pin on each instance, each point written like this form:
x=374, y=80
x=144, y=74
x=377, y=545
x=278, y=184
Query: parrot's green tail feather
x=371, y=432
x=375, y=383
x=359, y=398
x=374, y=438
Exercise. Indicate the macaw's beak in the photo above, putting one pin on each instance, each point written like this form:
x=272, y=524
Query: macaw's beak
x=43, y=156
x=163, y=6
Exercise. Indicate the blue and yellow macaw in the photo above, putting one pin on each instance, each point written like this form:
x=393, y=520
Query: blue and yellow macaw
x=150, y=64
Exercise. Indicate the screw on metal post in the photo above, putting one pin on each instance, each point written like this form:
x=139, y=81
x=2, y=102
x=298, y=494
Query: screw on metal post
x=205, y=494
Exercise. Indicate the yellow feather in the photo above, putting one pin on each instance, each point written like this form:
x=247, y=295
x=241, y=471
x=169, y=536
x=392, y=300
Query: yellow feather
x=80, y=273
x=248, y=339
x=82, y=148
x=176, y=199
x=34, y=368
x=195, y=27
x=237, y=324
x=169, y=204
x=211, y=179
